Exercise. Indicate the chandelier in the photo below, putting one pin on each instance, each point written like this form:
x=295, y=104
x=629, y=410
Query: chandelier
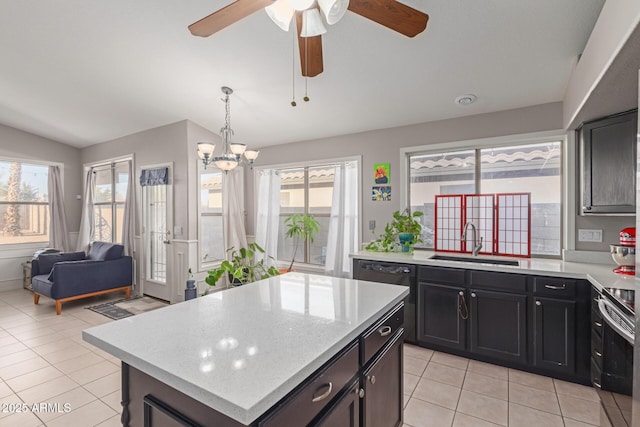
x=233, y=151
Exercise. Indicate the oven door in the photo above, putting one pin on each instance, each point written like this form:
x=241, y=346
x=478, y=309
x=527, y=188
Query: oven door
x=617, y=320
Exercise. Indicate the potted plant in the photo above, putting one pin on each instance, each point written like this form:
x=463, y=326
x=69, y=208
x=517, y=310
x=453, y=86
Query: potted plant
x=402, y=232
x=300, y=227
x=241, y=267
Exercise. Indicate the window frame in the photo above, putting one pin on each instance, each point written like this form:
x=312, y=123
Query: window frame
x=567, y=197
x=29, y=245
x=113, y=203
x=310, y=164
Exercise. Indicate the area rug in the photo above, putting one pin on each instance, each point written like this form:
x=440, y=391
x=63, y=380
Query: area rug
x=120, y=309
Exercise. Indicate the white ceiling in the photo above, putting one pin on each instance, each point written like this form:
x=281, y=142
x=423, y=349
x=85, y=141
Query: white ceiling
x=83, y=72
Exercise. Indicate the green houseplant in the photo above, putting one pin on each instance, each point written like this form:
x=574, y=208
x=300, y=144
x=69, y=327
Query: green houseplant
x=300, y=227
x=241, y=267
x=403, y=232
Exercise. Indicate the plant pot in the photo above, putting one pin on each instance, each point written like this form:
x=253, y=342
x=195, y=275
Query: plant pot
x=284, y=270
x=406, y=239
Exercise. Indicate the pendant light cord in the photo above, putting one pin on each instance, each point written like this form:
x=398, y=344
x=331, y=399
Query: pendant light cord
x=293, y=70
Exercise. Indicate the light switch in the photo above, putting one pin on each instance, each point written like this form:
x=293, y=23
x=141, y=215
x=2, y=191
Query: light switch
x=177, y=230
x=585, y=235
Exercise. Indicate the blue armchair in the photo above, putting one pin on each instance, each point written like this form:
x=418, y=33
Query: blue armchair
x=72, y=275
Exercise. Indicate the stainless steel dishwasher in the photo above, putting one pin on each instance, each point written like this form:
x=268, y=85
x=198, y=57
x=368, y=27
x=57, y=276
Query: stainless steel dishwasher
x=393, y=274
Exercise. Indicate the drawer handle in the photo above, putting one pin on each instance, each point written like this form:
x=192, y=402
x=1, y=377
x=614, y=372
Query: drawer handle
x=598, y=353
x=323, y=395
x=538, y=303
x=384, y=331
x=372, y=379
x=598, y=324
x=556, y=288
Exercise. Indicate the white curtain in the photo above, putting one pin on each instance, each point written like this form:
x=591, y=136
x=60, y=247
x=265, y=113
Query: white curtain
x=128, y=232
x=268, y=213
x=343, y=224
x=233, y=230
x=58, y=233
x=87, y=224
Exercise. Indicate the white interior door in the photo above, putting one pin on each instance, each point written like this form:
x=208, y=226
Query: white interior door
x=158, y=222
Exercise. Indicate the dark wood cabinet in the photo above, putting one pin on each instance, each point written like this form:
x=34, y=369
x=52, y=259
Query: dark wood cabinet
x=442, y=314
x=534, y=323
x=554, y=334
x=608, y=164
x=383, y=395
x=346, y=411
x=498, y=325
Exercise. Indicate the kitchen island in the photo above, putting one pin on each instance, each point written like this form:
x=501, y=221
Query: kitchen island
x=244, y=355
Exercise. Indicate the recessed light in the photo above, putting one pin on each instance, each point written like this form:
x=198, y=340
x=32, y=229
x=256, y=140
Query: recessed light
x=465, y=100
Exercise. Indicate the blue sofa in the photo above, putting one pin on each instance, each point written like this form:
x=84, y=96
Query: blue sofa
x=74, y=275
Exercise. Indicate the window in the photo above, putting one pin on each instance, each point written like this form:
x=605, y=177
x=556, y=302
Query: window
x=110, y=194
x=306, y=190
x=24, y=203
x=533, y=168
x=211, y=239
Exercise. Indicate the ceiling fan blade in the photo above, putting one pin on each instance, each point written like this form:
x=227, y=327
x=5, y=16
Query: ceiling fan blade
x=310, y=51
x=226, y=16
x=392, y=14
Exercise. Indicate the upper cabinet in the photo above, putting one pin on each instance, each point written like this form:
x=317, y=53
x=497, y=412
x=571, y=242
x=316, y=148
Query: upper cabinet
x=608, y=164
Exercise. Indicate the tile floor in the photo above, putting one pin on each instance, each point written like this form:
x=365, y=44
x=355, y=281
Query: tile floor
x=44, y=360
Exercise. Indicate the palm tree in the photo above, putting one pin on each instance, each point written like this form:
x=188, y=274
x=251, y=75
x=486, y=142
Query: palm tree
x=12, y=214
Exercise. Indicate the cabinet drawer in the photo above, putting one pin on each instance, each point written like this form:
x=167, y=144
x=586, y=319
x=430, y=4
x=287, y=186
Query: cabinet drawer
x=554, y=287
x=514, y=283
x=381, y=333
x=314, y=395
x=441, y=275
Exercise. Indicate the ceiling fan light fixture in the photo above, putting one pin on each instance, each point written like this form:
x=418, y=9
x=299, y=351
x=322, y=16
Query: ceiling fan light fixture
x=280, y=13
x=312, y=23
x=333, y=10
x=300, y=4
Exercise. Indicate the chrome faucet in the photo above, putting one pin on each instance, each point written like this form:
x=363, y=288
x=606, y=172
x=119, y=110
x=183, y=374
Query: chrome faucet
x=474, y=236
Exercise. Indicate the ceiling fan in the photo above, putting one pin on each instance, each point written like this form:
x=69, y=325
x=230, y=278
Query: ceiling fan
x=389, y=13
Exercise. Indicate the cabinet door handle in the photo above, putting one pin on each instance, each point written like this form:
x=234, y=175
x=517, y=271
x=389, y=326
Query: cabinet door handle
x=556, y=288
x=597, y=353
x=384, y=331
x=463, y=310
x=325, y=394
x=538, y=303
x=372, y=379
x=598, y=324
x=359, y=392
x=596, y=383
x=473, y=295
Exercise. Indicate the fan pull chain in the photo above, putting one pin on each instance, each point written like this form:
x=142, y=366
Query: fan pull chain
x=306, y=66
x=293, y=70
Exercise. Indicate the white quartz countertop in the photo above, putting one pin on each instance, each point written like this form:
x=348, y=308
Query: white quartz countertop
x=600, y=275
x=241, y=350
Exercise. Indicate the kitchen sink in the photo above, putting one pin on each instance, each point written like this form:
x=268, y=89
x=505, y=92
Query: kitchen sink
x=477, y=260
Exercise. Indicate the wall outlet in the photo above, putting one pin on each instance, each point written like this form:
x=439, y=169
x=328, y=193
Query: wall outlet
x=372, y=224
x=585, y=235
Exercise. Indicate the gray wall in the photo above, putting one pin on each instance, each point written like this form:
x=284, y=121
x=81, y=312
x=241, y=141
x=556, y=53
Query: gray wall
x=15, y=143
x=382, y=146
x=163, y=144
